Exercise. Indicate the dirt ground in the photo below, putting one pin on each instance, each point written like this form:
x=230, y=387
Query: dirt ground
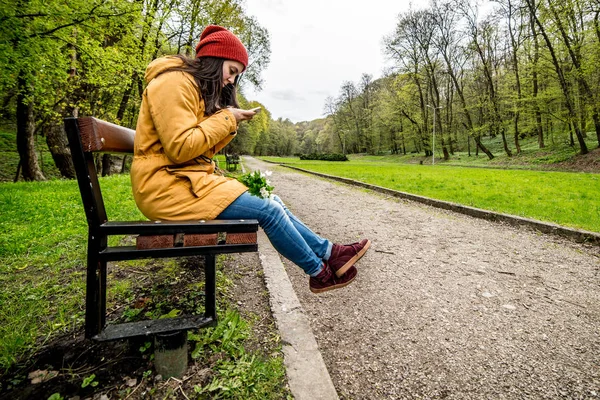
x=446, y=305
x=119, y=367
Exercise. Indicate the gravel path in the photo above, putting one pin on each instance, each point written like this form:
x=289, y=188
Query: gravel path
x=446, y=305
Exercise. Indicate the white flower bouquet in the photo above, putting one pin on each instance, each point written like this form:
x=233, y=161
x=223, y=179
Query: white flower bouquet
x=257, y=183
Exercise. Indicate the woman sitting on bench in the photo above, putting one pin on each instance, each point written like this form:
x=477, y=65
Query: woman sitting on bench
x=189, y=112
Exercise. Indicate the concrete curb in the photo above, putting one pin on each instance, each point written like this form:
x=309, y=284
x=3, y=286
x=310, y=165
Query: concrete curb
x=577, y=235
x=307, y=374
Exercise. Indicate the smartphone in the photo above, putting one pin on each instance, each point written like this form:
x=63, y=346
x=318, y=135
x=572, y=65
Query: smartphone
x=256, y=110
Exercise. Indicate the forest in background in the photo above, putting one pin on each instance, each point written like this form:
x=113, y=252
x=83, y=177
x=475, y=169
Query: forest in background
x=512, y=71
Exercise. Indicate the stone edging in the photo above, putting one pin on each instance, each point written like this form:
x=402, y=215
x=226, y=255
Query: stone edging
x=307, y=373
x=577, y=235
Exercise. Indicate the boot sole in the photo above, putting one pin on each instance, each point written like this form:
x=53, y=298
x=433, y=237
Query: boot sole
x=353, y=260
x=336, y=286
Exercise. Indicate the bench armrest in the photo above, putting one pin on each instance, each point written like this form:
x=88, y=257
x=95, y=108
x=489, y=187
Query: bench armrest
x=98, y=135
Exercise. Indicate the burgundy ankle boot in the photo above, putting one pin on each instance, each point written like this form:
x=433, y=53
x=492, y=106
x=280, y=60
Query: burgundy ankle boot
x=326, y=280
x=344, y=256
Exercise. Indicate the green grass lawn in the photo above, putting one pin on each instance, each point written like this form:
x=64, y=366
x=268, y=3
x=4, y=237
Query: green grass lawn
x=566, y=198
x=43, y=238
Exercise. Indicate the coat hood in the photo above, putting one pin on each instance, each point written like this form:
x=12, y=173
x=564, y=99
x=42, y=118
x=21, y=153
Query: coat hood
x=160, y=65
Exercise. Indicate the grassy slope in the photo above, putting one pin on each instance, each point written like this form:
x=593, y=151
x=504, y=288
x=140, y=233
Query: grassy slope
x=531, y=157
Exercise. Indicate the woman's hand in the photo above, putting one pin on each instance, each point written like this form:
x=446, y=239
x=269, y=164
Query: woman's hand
x=242, y=115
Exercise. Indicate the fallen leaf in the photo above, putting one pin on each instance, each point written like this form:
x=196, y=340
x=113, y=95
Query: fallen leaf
x=41, y=375
x=141, y=302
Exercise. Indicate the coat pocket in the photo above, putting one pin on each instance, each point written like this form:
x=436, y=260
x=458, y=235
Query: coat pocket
x=201, y=183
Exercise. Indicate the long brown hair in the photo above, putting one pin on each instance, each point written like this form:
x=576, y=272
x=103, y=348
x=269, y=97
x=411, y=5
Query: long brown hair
x=208, y=74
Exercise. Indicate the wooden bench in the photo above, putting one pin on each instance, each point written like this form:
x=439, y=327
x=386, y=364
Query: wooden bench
x=232, y=161
x=156, y=239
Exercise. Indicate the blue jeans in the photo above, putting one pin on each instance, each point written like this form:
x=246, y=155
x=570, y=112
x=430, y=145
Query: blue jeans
x=290, y=237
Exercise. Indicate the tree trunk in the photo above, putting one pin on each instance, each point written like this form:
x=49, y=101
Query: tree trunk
x=450, y=117
x=423, y=131
x=438, y=124
x=26, y=135
x=516, y=124
x=124, y=164
x=515, y=62
x=534, y=79
x=125, y=98
x=108, y=163
x=403, y=142
x=469, y=145
x=463, y=103
x=492, y=94
x=435, y=97
x=107, y=159
x=596, y=119
x=504, y=141
x=571, y=139
x=56, y=138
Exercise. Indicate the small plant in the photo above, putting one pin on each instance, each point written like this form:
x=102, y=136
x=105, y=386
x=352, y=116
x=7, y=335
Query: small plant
x=89, y=381
x=145, y=347
x=239, y=374
x=130, y=313
x=227, y=336
x=257, y=183
x=171, y=314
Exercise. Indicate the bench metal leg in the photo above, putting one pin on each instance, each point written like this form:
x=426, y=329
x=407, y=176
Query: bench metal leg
x=95, y=303
x=95, y=307
x=171, y=354
x=210, y=287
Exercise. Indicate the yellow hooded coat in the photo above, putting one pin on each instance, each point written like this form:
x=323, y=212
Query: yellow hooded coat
x=172, y=171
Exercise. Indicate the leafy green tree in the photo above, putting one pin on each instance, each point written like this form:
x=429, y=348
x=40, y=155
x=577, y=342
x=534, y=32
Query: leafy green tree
x=88, y=58
x=40, y=42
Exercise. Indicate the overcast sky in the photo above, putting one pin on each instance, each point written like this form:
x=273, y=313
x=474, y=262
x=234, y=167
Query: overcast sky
x=316, y=45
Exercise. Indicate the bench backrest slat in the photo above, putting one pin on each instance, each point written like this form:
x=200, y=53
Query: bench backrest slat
x=98, y=135
x=86, y=136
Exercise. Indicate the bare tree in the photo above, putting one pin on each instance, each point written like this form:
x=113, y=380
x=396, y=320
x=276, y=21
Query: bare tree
x=482, y=38
x=561, y=77
x=447, y=19
x=512, y=13
x=569, y=19
x=404, y=47
x=332, y=110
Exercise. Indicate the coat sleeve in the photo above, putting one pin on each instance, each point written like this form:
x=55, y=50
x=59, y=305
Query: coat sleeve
x=174, y=103
x=224, y=143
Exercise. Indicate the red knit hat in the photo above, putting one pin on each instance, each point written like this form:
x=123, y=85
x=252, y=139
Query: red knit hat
x=217, y=41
